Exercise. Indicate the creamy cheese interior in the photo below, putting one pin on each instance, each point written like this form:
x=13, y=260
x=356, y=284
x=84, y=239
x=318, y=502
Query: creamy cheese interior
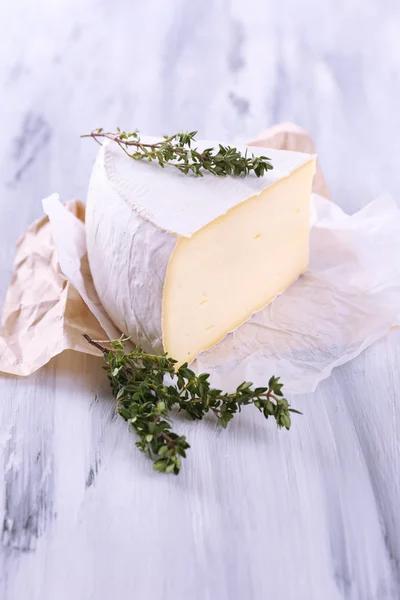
x=236, y=265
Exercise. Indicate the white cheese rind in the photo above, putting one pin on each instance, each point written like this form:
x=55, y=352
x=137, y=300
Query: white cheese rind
x=128, y=258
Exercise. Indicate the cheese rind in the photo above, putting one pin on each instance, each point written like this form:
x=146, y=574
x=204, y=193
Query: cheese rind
x=128, y=259
x=178, y=279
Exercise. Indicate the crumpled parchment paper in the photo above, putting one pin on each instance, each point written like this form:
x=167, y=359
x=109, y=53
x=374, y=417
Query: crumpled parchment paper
x=349, y=297
x=43, y=313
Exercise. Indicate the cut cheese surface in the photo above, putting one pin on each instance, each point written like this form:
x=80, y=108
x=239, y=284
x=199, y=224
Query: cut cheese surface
x=236, y=265
x=178, y=262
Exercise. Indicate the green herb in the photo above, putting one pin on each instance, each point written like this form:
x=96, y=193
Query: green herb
x=177, y=151
x=147, y=387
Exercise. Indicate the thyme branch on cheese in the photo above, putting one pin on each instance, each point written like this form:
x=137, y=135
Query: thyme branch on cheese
x=178, y=151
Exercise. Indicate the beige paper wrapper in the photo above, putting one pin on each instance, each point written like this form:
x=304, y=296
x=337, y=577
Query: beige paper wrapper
x=44, y=314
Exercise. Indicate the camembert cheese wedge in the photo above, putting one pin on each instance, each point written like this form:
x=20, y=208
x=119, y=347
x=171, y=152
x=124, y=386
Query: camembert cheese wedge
x=178, y=261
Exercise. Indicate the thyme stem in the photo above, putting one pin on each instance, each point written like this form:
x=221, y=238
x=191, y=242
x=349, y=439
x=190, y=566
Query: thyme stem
x=177, y=151
x=145, y=399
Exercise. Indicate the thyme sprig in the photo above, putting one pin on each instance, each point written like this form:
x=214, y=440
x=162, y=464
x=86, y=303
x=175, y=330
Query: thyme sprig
x=148, y=387
x=177, y=151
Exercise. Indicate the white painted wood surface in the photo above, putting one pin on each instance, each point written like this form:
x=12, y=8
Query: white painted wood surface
x=255, y=513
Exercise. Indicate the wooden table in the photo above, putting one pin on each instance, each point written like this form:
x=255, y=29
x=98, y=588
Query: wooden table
x=255, y=513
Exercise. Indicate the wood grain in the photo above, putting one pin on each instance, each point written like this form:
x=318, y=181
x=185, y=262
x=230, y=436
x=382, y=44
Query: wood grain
x=256, y=513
